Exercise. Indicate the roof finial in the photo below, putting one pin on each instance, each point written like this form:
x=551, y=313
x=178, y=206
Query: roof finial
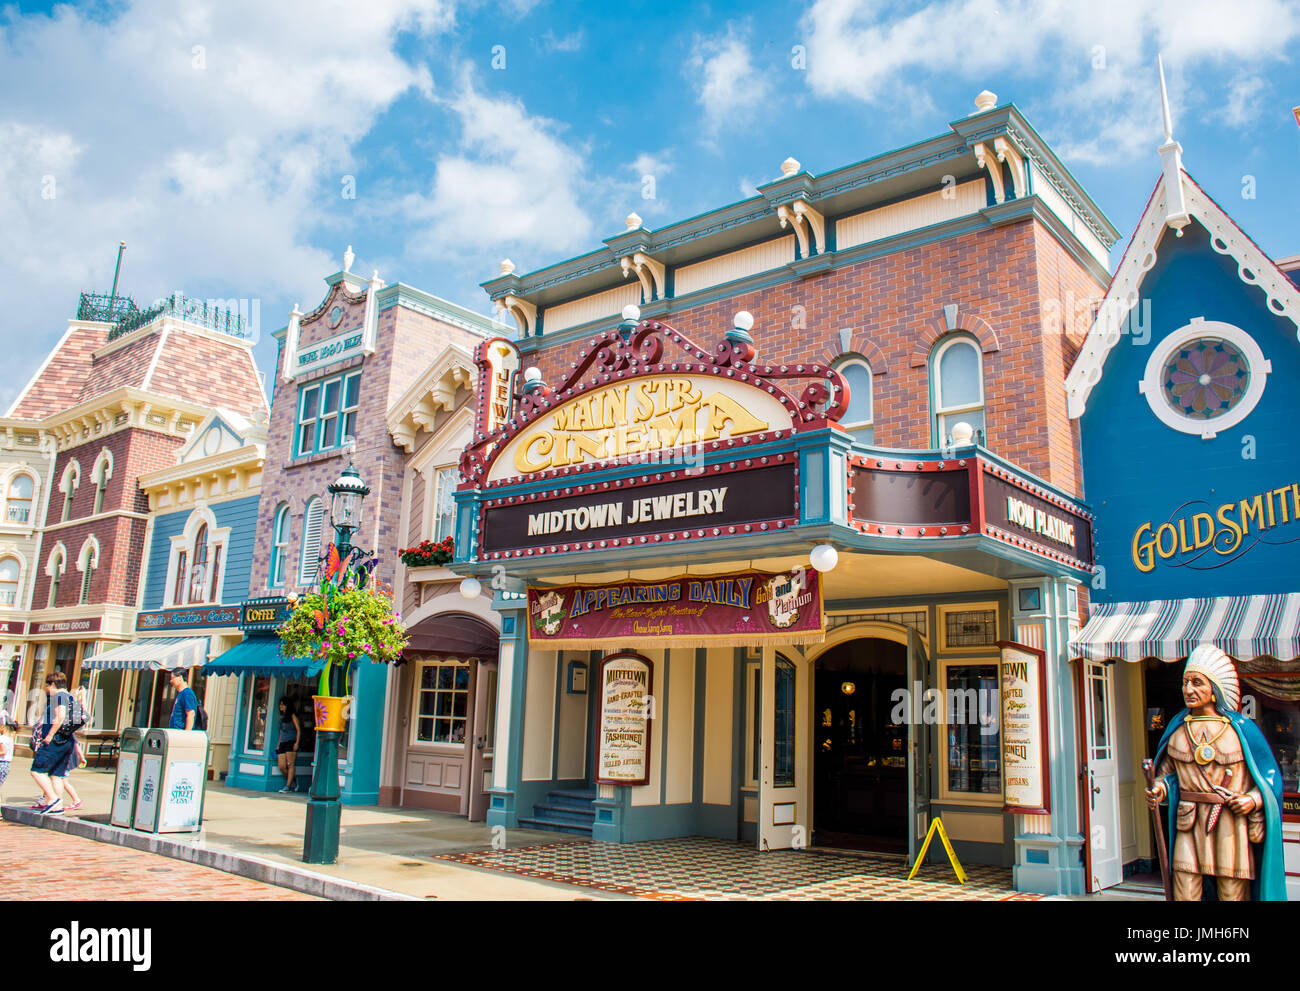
x=1171, y=157
x=347, y=259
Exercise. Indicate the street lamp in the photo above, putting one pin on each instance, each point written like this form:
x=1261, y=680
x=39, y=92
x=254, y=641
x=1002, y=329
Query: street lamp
x=320, y=840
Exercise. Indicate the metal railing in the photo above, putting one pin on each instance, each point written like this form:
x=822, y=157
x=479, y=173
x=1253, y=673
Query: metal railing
x=204, y=313
x=105, y=308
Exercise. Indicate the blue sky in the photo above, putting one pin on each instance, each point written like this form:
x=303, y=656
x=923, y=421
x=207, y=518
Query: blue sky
x=216, y=138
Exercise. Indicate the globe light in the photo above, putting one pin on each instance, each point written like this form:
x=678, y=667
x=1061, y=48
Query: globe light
x=824, y=557
x=532, y=374
x=631, y=312
x=470, y=587
x=962, y=432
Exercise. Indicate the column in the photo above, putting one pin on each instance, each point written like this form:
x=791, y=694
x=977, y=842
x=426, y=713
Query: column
x=512, y=671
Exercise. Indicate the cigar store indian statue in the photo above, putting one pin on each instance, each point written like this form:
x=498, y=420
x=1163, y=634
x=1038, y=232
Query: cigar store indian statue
x=1223, y=789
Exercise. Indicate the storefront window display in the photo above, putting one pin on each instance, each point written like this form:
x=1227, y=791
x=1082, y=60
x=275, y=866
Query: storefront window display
x=974, y=738
x=257, y=693
x=442, y=703
x=784, y=714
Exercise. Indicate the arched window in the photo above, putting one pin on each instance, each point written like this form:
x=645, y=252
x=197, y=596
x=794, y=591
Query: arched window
x=313, y=523
x=199, y=572
x=100, y=486
x=858, y=419
x=19, y=504
x=71, y=481
x=8, y=581
x=957, y=374
x=56, y=573
x=280, y=547
x=102, y=473
x=86, y=574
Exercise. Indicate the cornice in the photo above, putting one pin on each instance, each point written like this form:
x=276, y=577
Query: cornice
x=400, y=294
x=250, y=457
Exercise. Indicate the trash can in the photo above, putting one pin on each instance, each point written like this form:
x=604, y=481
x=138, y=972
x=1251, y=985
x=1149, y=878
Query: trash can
x=128, y=776
x=173, y=773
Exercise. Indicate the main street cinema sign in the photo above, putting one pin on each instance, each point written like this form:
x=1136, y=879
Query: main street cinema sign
x=679, y=427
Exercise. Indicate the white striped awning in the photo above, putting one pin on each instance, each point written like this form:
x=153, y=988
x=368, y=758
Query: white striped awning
x=155, y=653
x=1244, y=627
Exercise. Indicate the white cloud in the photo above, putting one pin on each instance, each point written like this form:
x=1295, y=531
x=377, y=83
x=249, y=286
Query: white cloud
x=201, y=133
x=1096, y=60
x=1241, y=106
x=727, y=84
x=511, y=183
x=567, y=43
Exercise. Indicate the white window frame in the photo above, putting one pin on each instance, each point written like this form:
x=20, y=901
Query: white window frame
x=30, y=500
x=943, y=413
x=416, y=693
x=186, y=543
x=100, y=475
x=18, y=579
x=946, y=794
x=55, y=566
x=280, y=524
x=870, y=423
x=68, y=485
x=341, y=414
x=434, y=516
x=308, y=562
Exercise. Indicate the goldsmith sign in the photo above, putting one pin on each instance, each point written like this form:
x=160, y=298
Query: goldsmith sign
x=690, y=611
x=713, y=500
x=626, y=710
x=1024, y=730
x=650, y=414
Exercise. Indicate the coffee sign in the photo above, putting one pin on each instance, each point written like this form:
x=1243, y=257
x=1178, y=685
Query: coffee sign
x=641, y=416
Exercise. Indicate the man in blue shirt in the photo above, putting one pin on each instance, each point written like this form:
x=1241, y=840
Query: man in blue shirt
x=184, y=712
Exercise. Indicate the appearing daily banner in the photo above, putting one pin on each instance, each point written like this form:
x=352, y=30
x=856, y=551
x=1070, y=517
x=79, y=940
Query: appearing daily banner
x=692, y=611
x=1024, y=730
x=626, y=710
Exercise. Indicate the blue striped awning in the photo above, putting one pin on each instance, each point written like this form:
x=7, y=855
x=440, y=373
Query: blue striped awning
x=153, y=653
x=261, y=655
x=1244, y=627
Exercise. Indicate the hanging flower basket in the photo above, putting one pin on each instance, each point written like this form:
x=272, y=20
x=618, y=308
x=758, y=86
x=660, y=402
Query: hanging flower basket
x=428, y=553
x=343, y=624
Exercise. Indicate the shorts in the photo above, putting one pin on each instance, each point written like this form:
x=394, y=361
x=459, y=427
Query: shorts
x=4, y=771
x=54, y=758
x=284, y=747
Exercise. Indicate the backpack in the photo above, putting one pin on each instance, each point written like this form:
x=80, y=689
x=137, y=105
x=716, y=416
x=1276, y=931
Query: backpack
x=77, y=717
x=200, y=716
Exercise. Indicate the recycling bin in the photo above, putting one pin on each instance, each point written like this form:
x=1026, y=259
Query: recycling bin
x=173, y=773
x=128, y=776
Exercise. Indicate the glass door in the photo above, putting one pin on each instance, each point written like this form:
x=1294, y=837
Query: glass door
x=1104, y=840
x=918, y=752
x=783, y=811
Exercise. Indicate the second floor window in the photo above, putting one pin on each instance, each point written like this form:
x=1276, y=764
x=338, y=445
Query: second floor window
x=444, y=502
x=280, y=550
x=86, y=575
x=178, y=592
x=327, y=413
x=54, y=582
x=957, y=372
x=100, y=487
x=8, y=581
x=313, y=523
x=19, y=504
x=199, y=572
x=857, y=419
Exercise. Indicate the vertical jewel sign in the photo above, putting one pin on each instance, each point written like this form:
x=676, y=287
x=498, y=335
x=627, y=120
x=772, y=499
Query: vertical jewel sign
x=498, y=363
x=626, y=710
x=1024, y=729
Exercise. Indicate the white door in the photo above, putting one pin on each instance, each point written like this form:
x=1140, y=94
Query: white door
x=1102, y=782
x=918, y=754
x=783, y=812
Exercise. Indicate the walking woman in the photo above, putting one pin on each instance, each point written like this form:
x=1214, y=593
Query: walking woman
x=51, y=764
x=286, y=753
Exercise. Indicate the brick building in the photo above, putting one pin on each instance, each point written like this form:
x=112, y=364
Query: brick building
x=340, y=369
x=868, y=361
x=118, y=397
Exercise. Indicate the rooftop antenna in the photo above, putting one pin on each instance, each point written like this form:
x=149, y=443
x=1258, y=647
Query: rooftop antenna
x=1171, y=157
x=112, y=296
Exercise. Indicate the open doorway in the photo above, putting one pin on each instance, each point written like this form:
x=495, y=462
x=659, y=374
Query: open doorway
x=860, y=797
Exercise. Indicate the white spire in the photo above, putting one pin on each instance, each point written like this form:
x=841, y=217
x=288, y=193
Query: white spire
x=347, y=259
x=1171, y=158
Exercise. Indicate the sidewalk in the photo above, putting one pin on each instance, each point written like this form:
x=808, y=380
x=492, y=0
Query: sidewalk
x=384, y=853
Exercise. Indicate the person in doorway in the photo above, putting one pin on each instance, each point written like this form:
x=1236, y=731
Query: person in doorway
x=286, y=751
x=1224, y=790
x=50, y=765
x=185, y=708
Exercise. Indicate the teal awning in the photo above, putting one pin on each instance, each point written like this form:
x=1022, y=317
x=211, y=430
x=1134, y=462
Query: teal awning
x=261, y=655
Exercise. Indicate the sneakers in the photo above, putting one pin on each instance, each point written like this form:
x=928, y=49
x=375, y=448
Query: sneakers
x=285, y=790
x=74, y=806
x=55, y=808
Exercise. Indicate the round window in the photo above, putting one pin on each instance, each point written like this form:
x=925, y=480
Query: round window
x=336, y=316
x=1205, y=377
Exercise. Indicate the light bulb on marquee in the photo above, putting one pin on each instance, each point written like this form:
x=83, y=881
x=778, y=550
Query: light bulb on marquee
x=824, y=557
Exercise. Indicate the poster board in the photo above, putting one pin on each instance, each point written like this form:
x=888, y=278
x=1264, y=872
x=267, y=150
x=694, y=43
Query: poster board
x=626, y=710
x=1026, y=777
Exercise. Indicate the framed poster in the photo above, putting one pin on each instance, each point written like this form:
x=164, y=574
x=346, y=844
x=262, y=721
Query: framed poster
x=626, y=711
x=1025, y=765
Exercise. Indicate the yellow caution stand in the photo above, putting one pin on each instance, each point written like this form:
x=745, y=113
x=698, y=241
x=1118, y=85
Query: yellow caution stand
x=937, y=824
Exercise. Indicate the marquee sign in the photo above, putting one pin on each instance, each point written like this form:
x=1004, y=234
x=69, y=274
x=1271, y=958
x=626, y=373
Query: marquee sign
x=687, y=502
x=691, y=611
x=188, y=619
x=626, y=401
x=961, y=497
x=1026, y=773
x=498, y=363
x=263, y=615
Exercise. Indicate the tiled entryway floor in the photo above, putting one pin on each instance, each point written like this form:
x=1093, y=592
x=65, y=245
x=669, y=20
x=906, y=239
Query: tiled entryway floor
x=720, y=870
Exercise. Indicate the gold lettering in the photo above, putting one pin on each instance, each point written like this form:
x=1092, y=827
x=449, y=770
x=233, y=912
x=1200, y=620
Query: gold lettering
x=1252, y=510
x=1160, y=540
x=1231, y=525
x=1198, y=540
x=544, y=442
x=1143, y=558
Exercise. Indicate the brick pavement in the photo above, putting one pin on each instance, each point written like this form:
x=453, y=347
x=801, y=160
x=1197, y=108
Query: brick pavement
x=43, y=863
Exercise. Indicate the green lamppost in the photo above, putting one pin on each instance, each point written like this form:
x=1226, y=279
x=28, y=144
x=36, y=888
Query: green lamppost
x=320, y=841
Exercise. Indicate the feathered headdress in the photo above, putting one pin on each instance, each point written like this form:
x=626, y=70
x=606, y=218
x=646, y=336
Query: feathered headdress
x=1217, y=666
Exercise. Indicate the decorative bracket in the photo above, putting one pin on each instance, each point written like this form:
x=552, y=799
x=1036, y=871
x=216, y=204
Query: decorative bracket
x=524, y=312
x=652, y=274
x=803, y=217
x=1007, y=153
x=982, y=158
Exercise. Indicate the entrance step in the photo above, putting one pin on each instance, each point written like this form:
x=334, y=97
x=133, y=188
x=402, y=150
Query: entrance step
x=563, y=812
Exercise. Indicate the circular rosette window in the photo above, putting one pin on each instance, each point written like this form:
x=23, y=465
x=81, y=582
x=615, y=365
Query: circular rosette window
x=1205, y=377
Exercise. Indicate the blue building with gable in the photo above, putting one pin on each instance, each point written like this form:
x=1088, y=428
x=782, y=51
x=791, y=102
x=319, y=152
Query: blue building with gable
x=1184, y=392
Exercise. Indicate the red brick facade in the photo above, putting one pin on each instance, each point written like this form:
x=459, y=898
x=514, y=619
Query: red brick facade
x=1000, y=280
